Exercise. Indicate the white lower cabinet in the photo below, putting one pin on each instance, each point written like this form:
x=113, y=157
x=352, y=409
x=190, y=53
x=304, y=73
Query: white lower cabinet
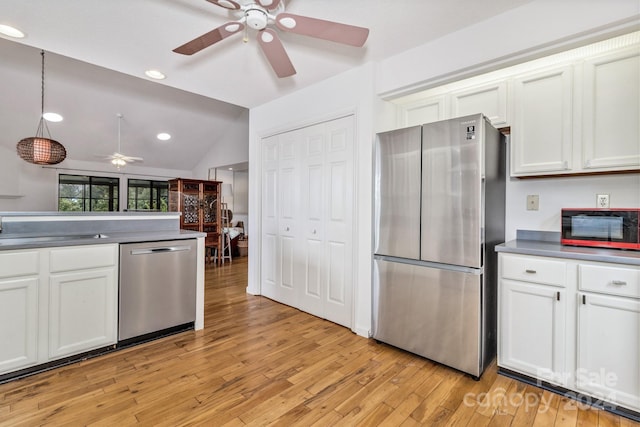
x=18, y=323
x=533, y=330
x=608, y=351
x=82, y=311
x=56, y=302
x=19, y=284
x=583, y=336
x=608, y=364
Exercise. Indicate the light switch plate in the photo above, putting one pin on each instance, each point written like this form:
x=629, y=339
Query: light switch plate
x=602, y=201
x=533, y=202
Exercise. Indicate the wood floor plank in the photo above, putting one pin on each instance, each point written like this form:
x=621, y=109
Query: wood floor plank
x=258, y=362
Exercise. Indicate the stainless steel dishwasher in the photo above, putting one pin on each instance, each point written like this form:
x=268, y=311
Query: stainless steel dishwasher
x=157, y=288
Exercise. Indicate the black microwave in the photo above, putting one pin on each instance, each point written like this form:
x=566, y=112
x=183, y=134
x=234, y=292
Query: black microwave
x=602, y=228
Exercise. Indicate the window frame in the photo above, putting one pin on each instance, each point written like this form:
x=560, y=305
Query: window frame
x=156, y=186
x=87, y=199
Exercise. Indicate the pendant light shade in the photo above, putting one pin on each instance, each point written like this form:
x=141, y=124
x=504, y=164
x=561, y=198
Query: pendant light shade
x=41, y=149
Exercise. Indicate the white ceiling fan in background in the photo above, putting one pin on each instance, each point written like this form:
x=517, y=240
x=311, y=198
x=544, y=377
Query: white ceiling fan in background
x=118, y=159
x=259, y=14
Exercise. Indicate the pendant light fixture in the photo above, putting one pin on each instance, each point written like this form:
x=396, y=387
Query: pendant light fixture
x=39, y=149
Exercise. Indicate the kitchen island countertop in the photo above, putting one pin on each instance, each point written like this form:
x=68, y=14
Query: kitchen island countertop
x=27, y=241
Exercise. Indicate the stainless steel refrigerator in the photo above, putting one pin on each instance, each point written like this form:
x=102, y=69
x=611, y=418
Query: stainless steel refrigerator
x=439, y=212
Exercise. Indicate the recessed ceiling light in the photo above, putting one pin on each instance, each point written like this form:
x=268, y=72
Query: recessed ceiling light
x=11, y=31
x=52, y=117
x=164, y=136
x=230, y=169
x=155, y=74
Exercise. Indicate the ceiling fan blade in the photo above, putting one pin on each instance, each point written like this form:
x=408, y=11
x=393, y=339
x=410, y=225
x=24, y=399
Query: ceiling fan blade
x=213, y=36
x=227, y=4
x=275, y=53
x=268, y=4
x=319, y=28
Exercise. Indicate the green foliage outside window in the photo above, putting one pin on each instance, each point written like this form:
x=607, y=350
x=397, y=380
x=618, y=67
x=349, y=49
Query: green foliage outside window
x=148, y=195
x=78, y=193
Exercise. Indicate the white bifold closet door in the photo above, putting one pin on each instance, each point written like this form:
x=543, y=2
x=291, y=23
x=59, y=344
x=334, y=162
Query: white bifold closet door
x=307, y=219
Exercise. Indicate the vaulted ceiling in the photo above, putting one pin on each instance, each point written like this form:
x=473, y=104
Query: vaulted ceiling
x=97, y=52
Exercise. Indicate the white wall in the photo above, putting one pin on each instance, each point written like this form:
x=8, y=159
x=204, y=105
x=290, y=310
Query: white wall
x=540, y=27
x=351, y=92
x=38, y=185
x=231, y=149
x=568, y=192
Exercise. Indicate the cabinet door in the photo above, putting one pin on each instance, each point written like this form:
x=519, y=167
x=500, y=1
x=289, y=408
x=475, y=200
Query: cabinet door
x=541, y=133
x=190, y=204
x=611, y=111
x=608, y=364
x=18, y=323
x=82, y=311
x=490, y=100
x=424, y=111
x=532, y=330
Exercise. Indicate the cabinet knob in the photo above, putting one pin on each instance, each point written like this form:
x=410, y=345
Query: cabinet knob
x=314, y=231
x=618, y=282
x=530, y=271
x=287, y=229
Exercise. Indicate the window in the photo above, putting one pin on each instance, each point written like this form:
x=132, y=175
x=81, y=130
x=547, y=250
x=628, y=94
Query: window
x=87, y=193
x=146, y=195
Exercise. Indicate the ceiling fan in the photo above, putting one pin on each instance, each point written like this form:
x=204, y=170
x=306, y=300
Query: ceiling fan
x=118, y=159
x=259, y=14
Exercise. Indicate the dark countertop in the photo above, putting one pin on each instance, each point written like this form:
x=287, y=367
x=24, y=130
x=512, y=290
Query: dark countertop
x=25, y=241
x=556, y=250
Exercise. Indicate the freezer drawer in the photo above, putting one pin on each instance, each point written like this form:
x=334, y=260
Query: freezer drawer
x=435, y=313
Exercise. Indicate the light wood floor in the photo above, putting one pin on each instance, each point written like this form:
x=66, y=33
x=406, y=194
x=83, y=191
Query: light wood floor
x=258, y=362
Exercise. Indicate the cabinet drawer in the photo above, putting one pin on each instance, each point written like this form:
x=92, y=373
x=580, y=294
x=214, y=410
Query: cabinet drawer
x=613, y=280
x=21, y=263
x=83, y=257
x=534, y=269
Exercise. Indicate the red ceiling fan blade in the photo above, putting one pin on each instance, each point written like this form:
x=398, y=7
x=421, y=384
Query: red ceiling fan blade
x=319, y=28
x=275, y=53
x=268, y=4
x=227, y=4
x=206, y=40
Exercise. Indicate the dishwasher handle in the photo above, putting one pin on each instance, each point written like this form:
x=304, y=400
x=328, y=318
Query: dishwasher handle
x=163, y=249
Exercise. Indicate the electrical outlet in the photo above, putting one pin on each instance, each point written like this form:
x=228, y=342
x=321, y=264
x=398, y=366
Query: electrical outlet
x=533, y=201
x=602, y=201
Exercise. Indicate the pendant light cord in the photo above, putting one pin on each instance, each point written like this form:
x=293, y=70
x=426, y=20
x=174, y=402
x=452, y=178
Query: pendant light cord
x=43, y=123
x=42, y=86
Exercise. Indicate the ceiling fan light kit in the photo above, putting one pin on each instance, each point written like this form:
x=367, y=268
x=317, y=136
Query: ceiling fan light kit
x=41, y=149
x=258, y=15
x=118, y=159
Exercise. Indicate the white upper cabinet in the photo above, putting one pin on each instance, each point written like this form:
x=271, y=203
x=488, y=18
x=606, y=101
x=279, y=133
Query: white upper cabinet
x=541, y=132
x=423, y=111
x=611, y=111
x=575, y=112
x=489, y=99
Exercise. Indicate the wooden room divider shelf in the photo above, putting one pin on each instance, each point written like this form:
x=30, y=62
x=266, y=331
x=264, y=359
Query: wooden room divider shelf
x=198, y=201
